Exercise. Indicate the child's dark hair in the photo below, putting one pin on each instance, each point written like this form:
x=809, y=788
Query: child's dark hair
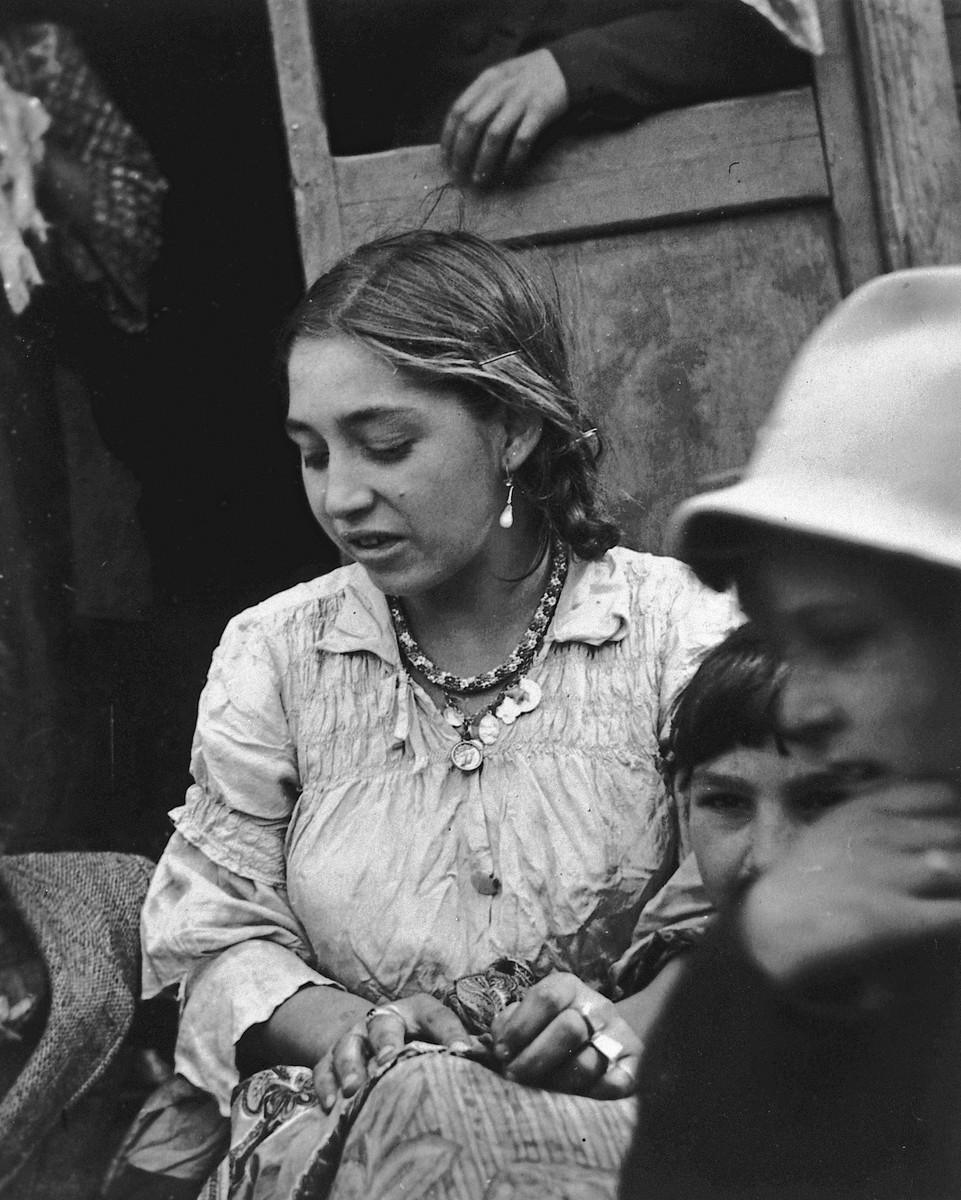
x=730, y=701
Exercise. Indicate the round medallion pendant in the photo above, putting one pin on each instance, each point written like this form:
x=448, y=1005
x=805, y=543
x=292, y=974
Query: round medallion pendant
x=467, y=756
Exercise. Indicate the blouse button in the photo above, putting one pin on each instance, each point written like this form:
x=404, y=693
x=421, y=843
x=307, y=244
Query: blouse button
x=487, y=885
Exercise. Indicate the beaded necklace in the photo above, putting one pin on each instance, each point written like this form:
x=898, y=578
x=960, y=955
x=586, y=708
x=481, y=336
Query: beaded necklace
x=520, y=695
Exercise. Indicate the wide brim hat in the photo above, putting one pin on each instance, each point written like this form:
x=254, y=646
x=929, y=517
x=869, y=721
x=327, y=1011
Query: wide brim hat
x=82, y=912
x=863, y=443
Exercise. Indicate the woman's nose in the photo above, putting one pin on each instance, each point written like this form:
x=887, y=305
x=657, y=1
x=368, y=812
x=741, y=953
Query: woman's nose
x=809, y=715
x=345, y=492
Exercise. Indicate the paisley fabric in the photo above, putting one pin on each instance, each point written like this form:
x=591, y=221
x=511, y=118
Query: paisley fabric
x=432, y=1125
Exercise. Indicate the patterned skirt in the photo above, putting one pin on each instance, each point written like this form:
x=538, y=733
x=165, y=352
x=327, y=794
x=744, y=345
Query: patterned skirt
x=431, y=1126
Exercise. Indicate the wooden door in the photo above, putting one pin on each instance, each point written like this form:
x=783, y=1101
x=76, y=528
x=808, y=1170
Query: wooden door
x=696, y=250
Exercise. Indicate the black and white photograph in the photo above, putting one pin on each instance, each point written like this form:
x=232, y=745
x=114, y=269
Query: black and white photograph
x=480, y=600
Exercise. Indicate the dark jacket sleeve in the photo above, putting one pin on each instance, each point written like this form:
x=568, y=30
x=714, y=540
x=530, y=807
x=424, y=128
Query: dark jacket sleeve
x=673, y=55
x=747, y=1092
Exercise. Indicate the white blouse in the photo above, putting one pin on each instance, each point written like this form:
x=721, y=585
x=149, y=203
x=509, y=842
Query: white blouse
x=329, y=839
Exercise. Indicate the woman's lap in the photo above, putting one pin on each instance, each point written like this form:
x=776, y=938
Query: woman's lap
x=434, y=1126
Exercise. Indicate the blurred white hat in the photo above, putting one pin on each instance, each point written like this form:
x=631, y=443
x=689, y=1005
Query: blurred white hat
x=863, y=443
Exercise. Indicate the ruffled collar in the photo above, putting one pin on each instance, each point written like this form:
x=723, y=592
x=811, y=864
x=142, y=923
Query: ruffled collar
x=594, y=608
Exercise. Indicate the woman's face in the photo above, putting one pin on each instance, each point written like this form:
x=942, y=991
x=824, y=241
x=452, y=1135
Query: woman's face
x=745, y=809
x=406, y=481
x=875, y=681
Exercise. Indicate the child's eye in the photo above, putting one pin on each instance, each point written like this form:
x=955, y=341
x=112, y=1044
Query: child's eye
x=837, y=640
x=725, y=802
x=315, y=460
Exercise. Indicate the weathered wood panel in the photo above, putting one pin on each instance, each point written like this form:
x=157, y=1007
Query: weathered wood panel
x=682, y=336
x=311, y=166
x=723, y=157
x=952, y=25
x=847, y=153
x=915, y=131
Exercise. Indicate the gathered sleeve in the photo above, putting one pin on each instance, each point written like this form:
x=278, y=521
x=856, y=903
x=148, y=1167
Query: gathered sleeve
x=694, y=621
x=674, y=54
x=217, y=925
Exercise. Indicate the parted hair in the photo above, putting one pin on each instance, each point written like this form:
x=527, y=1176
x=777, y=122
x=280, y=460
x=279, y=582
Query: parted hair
x=731, y=700
x=458, y=311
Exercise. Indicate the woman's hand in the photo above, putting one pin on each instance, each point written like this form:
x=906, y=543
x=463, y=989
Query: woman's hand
x=565, y=1036
x=879, y=872
x=492, y=126
x=380, y=1037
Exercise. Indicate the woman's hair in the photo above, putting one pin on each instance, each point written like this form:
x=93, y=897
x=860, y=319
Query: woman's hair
x=454, y=310
x=730, y=701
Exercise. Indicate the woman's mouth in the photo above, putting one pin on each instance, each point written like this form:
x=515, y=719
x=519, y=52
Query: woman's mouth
x=365, y=544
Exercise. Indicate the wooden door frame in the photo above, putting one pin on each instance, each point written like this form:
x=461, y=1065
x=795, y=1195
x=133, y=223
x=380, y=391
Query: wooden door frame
x=878, y=137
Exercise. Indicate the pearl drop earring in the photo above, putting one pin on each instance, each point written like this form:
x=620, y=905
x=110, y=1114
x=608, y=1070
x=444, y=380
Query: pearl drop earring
x=506, y=519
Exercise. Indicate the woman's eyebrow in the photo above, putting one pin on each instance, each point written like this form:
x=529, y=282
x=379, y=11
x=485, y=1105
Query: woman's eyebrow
x=353, y=421
x=366, y=416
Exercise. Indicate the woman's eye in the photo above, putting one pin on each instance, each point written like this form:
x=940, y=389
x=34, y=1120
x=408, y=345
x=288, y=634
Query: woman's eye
x=389, y=451
x=315, y=460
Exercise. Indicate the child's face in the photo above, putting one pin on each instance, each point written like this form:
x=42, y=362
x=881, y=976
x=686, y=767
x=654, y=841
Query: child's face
x=745, y=809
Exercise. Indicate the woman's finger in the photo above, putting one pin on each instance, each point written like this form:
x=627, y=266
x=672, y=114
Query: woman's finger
x=325, y=1083
x=431, y=1021
x=387, y=1033
x=580, y=1075
x=350, y=1056
x=518, y=1025
x=617, y=1081
x=592, y=1073
x=553, y=1048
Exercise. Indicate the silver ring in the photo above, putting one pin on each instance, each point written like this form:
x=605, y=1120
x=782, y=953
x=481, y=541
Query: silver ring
x=607, y=1047
x=385, y=1010
x=594, y=1025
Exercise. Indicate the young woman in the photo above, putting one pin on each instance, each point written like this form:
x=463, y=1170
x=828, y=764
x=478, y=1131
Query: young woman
x=431, y=775
x=828, y=1065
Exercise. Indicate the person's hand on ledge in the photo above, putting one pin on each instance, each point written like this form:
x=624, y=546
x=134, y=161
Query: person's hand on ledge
x=492, y=127
x=565, y=1036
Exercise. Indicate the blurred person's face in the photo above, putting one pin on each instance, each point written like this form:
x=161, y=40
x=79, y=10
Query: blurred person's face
x=746, y=807
x=874, y=646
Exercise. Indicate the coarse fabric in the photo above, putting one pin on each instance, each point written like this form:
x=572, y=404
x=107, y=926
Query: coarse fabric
x=432, y=1124
x=329, y=839
x=82, y=912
